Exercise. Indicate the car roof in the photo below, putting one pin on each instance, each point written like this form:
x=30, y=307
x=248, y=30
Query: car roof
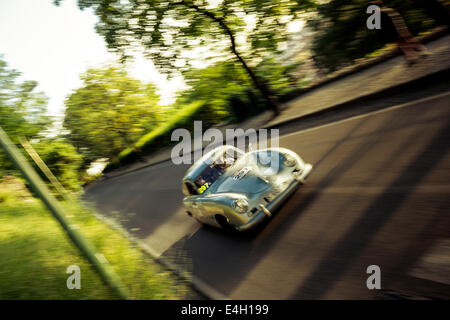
x=201, y=164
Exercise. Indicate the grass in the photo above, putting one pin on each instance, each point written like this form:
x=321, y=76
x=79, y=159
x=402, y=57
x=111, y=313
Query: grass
x=35, y=253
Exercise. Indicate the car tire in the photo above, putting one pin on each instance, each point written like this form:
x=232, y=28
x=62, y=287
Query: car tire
x=224, y=223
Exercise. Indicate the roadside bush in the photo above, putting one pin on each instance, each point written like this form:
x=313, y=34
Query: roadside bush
x=63, y=161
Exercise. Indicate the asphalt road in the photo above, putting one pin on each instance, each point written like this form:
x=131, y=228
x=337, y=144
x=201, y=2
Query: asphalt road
x=378, y=195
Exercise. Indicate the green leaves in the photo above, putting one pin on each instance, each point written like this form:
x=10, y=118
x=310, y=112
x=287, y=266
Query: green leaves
x=22, y=108
x=63, y=161
x=224, y=81
x=249, y=30
x=110, y=112
x=167, y=28
x=215, y=84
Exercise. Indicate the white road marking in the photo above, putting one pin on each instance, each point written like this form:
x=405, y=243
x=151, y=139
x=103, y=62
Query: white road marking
x=358, y=189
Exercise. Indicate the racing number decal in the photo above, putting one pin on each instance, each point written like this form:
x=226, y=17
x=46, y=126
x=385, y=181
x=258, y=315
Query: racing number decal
x=204, y=187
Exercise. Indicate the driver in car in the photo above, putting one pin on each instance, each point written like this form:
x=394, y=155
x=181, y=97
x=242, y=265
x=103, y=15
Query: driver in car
x=225, y=161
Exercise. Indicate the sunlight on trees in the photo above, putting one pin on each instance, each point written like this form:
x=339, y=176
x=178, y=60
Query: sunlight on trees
x=109, y=112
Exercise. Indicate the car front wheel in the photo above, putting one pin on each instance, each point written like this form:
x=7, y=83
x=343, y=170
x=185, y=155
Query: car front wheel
x=225, y=223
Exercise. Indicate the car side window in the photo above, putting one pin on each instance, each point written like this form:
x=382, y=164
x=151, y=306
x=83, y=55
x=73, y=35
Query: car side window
x=191, y=189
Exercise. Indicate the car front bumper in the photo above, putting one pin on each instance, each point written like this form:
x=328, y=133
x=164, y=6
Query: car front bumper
x=266, y=210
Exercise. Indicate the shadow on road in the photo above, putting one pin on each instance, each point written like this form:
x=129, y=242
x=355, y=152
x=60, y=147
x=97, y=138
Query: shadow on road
x=383, y=207
x=223, y=260
x=366, y=172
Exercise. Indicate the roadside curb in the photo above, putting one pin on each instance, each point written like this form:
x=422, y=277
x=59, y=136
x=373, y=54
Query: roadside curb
x=437, y=33
x=200, y=286
x=405, y=86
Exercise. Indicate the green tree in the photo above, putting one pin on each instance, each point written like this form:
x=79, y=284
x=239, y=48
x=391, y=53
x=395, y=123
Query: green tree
x=22, y=109
x=224, y=82
x=109, y=112
x=215, y=84
x=22, y=114
x=168, y=28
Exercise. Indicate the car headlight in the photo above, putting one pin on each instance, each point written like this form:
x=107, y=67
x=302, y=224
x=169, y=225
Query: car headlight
x=289, y=161
x=240, y=205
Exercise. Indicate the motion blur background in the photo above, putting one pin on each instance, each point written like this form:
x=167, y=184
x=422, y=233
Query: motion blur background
x=106, y=86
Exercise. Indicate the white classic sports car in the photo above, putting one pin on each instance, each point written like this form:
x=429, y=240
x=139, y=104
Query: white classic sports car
x=235, y=190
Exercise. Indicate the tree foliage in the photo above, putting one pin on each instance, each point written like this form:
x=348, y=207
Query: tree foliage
x=22, y=108
x=109, y=112
x=215, y=84
x=223, y=83
x=22, y=114
x=167, y=29
x=63, y=161
x=343, y=35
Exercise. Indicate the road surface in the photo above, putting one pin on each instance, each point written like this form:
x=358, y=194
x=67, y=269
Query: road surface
x=379, y=195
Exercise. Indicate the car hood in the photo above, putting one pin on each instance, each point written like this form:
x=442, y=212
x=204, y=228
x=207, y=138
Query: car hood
x=244, y=180
x=247, y=176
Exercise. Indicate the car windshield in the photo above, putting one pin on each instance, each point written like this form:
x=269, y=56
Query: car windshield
x=222, y=161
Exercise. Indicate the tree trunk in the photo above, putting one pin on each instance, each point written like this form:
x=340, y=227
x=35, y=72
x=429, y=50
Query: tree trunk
x=258, y=83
